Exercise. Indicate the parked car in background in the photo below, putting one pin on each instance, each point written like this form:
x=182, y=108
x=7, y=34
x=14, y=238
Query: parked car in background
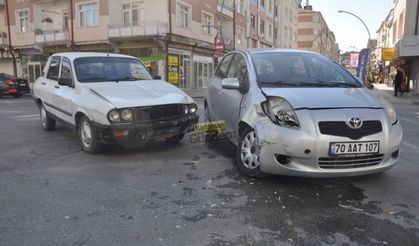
x=111, y=98
x=14, y=86
x=299, y=113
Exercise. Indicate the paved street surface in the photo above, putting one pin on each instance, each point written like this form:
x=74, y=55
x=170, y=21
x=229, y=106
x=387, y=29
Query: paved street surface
x=51, y=193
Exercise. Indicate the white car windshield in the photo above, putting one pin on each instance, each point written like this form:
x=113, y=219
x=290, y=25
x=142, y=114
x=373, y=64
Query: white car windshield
x=293, y=69
x=105, y=69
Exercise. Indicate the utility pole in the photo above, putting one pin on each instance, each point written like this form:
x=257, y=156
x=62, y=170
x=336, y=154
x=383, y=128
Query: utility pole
x=234, y=24
x=10, y=40
x=72, y=24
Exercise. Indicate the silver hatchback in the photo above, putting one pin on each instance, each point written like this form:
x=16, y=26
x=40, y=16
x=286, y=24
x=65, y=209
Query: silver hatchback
x=300, y=113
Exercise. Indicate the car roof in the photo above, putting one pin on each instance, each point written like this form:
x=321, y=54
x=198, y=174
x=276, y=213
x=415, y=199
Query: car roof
x=74, y=55
x=275, y=50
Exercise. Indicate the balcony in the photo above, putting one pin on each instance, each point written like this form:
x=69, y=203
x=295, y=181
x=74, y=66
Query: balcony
x=225, y=10
x=409, y=46
x=4, y=40
x=148, y=29
x=54, y=36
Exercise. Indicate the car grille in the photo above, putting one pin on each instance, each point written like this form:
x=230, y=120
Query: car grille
x=341, y=129
x=158, y=113
x=350, y=162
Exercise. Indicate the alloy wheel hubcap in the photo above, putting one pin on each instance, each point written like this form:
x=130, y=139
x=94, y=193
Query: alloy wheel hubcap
x=86, y=134
x=250, y=151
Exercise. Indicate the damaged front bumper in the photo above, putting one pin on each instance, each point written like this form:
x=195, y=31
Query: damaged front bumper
x=298, y=152
x=136, y=134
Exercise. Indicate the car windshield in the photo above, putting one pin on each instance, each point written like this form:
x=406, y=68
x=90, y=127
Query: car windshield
x=294, y=69
x=104, y=69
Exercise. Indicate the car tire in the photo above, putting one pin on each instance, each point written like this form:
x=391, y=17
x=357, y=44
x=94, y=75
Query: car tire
x=247, y=155
x=48, y=124
x=17, y=95
x=89, y=139
x=175, y=139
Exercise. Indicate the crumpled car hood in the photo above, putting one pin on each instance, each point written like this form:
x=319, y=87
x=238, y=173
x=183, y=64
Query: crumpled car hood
x=315, y=98
x=139, y=93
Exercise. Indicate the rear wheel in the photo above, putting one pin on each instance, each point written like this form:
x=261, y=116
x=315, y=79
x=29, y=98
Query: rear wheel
x=248, y=154
x=88, y=138
x=17, y=95
x=175, y=139
x=47, y=123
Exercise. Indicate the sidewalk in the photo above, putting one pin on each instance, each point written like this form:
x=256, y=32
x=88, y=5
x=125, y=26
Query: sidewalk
x=388, y=92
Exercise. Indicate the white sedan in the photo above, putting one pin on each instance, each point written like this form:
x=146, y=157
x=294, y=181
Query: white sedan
x=111, y=98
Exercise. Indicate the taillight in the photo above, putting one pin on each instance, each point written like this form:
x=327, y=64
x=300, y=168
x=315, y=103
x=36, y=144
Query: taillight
x=10, y=82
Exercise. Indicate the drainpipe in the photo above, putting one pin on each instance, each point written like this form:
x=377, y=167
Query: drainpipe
x=234, y=24
x=417, y=18
x=168, y=38
x=10, y=40
x=72, y=25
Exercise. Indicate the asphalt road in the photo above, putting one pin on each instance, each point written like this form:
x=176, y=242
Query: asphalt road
x=51, y=193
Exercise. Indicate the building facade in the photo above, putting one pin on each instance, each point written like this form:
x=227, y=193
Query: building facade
x=399, y=33
x=314, y=33
x=175, y=38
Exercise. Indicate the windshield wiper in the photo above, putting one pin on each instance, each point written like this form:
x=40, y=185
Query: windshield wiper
x=126, y=79
x=280, y=83
x=337, y=84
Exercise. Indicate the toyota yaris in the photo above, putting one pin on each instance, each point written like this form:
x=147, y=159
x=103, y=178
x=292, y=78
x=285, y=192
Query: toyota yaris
x=300, y=113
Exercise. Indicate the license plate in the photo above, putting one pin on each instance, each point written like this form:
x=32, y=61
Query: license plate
x=354, y=148
x=22, y=84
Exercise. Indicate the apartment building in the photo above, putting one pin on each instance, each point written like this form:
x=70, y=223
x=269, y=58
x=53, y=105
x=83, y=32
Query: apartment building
x=314, y=33
x=272, y=23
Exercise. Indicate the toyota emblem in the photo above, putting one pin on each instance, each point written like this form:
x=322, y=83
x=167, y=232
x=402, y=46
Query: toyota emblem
x=355, y=123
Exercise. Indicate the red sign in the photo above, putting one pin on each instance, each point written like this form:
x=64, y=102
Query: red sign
x=219, y=47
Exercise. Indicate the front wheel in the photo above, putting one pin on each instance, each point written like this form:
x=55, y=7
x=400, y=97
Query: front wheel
x=88, y=137
x=48, y=124
x=248, y=154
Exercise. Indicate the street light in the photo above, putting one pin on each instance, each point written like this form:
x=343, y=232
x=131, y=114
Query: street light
x=354, y=15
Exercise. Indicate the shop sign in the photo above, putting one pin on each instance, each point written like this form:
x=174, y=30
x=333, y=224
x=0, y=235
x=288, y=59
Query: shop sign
x=173, y=65
x=387, y=54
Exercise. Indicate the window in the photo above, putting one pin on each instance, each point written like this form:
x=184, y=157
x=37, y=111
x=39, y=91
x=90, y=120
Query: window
x=65, y=20
x=183, y=15
x=315, y=18
x=270, y=6
x=223, y=67
x=276, y=11
x=400, y=28
x=238, y=69
x=240, y=35
x=254, y=2
x=276, y=33
x=252, y=24
x=131, y=14
x=88, y=14
x=207, y=22
x=66, y=69
x=262, y=4
x=54, y=68
x=270, y=30
x=240, y=7
x=102, y=69
x=262, y=27
x=23, y=20
x=286, y=32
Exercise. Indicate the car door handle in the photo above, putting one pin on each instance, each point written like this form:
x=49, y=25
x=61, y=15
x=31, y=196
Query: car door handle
x=43, y=83
x=56, y=86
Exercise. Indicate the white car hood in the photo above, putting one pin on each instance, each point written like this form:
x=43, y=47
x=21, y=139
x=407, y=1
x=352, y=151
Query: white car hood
x=127, y=94
x=313, y=98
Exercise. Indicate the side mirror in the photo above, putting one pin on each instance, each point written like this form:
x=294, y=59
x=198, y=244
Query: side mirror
x=230, y=83
x=157, y=77
x=65, y=82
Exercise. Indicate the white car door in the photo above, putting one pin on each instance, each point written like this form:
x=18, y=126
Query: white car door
x=64, y=94
x=49, y=84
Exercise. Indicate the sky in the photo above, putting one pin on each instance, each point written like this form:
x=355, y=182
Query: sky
x=349, y=31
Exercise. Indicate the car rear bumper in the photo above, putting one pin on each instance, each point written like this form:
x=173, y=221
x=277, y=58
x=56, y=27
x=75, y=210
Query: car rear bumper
x=297, y=152
x=140, y=133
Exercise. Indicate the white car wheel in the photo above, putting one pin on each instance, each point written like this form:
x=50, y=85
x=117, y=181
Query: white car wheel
x=248, y=154
x=88, y=137
x=47, y=123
